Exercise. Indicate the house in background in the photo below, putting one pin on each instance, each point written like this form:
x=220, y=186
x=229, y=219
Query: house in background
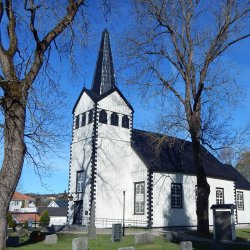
x=58, y=215
x=23, y=208
x=22, y=203
x=58, y=203
x=32, y=218
x=115, y=169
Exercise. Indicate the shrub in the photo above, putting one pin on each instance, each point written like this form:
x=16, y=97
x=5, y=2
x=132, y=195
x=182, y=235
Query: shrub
x=44, y=219
x=11, y=222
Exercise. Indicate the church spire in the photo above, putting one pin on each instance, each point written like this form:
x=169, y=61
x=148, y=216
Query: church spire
x=104, y=78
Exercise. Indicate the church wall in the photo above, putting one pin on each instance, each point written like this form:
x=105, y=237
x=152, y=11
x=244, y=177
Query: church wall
x=139, y=173
x=118, y=169
x=113, y=154
x=80, y=158
x=111, y=179
x=243, y=216
x=164, y=215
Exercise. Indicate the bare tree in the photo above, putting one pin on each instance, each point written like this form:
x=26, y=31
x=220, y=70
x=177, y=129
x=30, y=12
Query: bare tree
x=177, y=47
x=243, y=165
x=33, y=28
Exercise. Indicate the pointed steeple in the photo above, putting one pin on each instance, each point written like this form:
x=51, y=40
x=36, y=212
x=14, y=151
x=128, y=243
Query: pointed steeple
x=104, y=78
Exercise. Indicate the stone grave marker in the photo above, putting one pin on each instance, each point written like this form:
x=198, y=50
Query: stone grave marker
x=80, y=243
x=116, y=232
x=186, y=245
x=144, y=238
x=51, y=239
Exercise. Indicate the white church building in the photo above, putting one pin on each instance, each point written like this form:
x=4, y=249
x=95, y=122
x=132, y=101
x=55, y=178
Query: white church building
x=117, y=168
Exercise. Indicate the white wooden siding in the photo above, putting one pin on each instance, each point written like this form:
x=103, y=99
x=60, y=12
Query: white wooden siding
x=164, y=215
x=243, y=216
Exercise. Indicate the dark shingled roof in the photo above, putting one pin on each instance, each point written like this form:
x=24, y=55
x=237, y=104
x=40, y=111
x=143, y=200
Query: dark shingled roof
x=53, y=211
x=175, y=155
x=61, y=203
x=104, y=77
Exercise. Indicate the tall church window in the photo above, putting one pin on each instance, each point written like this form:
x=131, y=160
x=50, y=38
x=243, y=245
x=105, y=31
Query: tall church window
x=219, y=196
x=114, y=119
x=139, y=198
x=125, y=121
x=79, y=181
x=176, y=195
x=83, y=119
x=90, y=116
x=77, y=121
x=103, y=116
x=240, y=200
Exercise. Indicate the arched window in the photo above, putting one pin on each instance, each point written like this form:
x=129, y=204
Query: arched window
x=83, y=119
x=103, y=116
x=114, y=119
x=125, y=121
x=90, y=116
x=77, y=122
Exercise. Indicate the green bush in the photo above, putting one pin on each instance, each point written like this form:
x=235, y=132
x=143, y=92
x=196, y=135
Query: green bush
x=44, y=219
x=11, y=222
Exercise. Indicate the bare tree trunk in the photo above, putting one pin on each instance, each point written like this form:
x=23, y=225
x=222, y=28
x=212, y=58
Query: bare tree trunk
x=14, y=152
x=203, y=188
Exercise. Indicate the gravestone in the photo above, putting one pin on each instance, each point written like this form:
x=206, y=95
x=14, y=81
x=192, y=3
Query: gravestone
x=51, y=239
x=186, y=245
x=80, y=243
x=12, y=241
x=92, y=227
x=144, y=238
x=126, y=248
x=116, y=232
x=171, y=236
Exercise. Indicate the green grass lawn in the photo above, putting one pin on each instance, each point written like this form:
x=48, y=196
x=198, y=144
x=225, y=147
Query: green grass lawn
x=103, y=242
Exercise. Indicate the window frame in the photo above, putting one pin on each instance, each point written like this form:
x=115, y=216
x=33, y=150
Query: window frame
x=125, y=121
x=217, y=199
x=242, y=200
x=83, y=121
x=90, y=116
x=77, y=122
x=77, y=180
x=103, y=116
x=175, y=196
x=114, y=119
x=135, y=197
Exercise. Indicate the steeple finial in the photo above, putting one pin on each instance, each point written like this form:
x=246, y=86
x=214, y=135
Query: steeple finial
x=104, y=79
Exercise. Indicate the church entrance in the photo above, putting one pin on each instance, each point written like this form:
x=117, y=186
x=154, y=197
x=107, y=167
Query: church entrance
x=77, y=219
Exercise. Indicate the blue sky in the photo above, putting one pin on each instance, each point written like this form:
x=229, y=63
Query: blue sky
x=58, y=181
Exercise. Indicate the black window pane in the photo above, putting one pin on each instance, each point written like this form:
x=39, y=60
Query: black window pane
x=90, y=116
x=114, y=119
x=83, y=119
x=77, y=122
x=125, y=121
x=103, y=117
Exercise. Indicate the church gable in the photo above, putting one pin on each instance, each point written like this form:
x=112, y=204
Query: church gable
x=84, y=103
x=115, y=102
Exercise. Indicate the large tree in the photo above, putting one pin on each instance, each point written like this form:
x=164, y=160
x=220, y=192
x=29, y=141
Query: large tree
x=29, y=29
x=177, y=48
x=243, y=165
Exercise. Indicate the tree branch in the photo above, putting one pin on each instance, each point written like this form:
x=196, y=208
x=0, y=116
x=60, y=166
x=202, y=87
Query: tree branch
x=51, y=36
x=11, y=28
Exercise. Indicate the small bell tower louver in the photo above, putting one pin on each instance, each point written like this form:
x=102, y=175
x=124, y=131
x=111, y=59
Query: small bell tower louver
x=104, y=78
